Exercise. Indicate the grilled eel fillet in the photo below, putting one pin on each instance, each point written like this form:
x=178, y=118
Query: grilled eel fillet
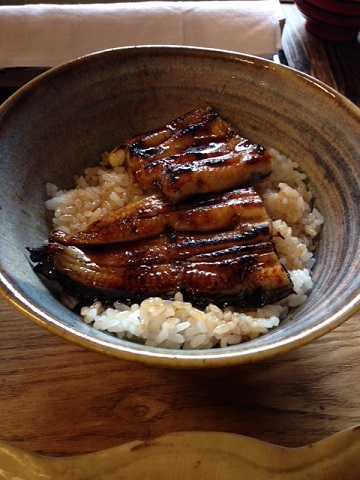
x=195, y=153
x=153, y=215
x=218, y=250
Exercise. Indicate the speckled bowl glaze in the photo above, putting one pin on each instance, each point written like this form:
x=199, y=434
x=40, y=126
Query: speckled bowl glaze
x=61, y=122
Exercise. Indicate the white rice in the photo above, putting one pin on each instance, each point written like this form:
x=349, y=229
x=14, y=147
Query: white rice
x=175, y=323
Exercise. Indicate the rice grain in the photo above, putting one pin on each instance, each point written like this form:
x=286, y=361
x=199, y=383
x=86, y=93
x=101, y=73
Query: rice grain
x=175, y=323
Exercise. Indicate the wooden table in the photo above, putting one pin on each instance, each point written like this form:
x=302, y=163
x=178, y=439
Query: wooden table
x=58, y=399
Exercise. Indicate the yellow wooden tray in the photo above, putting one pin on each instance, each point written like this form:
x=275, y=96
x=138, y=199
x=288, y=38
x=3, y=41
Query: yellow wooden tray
x=195, y=456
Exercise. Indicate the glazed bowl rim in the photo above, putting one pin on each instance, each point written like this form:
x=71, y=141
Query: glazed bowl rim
x=169, y=357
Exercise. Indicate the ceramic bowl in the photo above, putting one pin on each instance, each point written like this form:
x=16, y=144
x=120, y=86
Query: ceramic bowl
x=331, y=19
x=62, y=121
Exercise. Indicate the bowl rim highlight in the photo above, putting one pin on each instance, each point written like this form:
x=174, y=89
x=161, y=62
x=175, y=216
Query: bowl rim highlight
x=155, y=356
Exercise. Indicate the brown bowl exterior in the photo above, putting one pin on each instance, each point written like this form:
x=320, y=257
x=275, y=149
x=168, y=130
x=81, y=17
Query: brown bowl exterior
x=65, y=119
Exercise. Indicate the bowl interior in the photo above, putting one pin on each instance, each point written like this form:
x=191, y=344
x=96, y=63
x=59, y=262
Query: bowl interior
x=64, y=120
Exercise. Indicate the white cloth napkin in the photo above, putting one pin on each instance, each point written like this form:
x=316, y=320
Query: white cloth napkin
x=47, y=35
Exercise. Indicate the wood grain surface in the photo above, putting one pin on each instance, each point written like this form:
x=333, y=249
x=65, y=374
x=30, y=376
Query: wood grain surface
x=58, y=399
x=336, y=64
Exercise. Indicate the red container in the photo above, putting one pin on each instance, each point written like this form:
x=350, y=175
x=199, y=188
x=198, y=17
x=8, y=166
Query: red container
x=331, y=19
